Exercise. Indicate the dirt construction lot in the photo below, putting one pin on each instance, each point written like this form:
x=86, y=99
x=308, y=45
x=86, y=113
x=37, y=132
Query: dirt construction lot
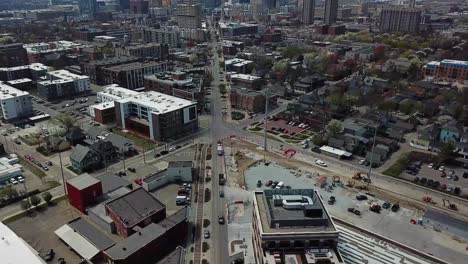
x=38, y=230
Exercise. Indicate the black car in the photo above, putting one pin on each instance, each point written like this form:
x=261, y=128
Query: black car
x=221, y=220
x=430, y=182
x=423, y=180
x=259, y=183
x=61, y=261
x=131, y=170
x=386, y=205
x=361, y=197
x=455, y=178
x=331, y=200
x=351, y=209
x=416, y=180
x=395, y=207
x=465, y=175
x=357, y=212
x=49, y=255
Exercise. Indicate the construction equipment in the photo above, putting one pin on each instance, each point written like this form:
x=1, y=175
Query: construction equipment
x=350, y=184
x=336, y=179
x=428, y=199
x=362, y=187
x=450, y=205
x=357, y=176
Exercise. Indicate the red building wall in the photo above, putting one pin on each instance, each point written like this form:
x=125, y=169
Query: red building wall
x=81, y=199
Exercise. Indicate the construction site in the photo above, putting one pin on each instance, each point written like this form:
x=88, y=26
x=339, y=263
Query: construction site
x=353, y=197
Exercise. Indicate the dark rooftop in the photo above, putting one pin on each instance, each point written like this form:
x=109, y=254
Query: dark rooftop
x=112, y=182
x=91, y=233
x=135, y=206
x=145, y=235
x=180, y=163
x=155, y=176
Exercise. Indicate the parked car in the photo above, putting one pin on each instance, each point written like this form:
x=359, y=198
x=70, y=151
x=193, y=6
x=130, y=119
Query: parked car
x=221, y=194
x=386, y=205
x=259, y=183
x=268, y=183
x=131, y=170
x=61, y=261
x=13, y=181
x=206, y=234
x=321, y=163
x=395, y=207
x=48, y=163
x=361, y=162
x=361, y=197
x=139, y=181
x=331, y=200
x=49, y=256
x=455, y=178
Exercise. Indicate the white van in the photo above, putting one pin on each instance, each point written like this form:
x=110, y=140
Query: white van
x=280, y=185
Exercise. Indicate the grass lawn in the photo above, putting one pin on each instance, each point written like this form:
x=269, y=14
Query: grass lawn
x=35, y=170
x=139, y=141
x=237, y=115
x=399, y=166
x=255, y=129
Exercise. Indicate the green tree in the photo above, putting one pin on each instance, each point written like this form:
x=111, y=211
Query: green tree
x=47, y=197
x=334, y=128
x=9, y=192
x=25, y=204
x=447, y=152
x=292, y=52
x=64, y=120
x=35, y=200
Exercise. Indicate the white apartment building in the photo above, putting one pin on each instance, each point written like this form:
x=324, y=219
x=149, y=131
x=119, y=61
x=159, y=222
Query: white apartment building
x=114, y=92
x=14, y=103
x=63, y=84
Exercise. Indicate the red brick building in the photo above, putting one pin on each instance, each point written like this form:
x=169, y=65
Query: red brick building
x=103, y=113
x=151, y=243
x=83, y=190
x=251, y=101
x=135, y=209
x=447, y=69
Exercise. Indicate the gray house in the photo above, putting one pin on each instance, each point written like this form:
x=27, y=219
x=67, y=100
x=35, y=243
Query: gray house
x=84, y=159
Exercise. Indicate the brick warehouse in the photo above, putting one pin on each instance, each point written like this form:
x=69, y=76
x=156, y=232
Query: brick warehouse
x=252, y=101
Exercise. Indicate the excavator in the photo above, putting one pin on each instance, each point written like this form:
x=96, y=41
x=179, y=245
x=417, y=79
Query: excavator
x=352, y=184
x=450, y=205
x=428, y=199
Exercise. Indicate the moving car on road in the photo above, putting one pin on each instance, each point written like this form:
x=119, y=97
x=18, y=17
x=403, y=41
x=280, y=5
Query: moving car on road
x=321, y=163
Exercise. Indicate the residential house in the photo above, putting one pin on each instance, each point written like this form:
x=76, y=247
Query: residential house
x=96, y=132
x=106, y=151
x=56, y=144
x=377, y=160
x=383, y=151
x=451, y=132
x=84, y=159
x=125, y=146
x=75, y=136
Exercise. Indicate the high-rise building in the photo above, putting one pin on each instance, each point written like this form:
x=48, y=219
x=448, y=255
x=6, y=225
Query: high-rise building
x=308, y=12
x=139, y=6
x=262, y=6
x=331, y=12
x=12, y=55
x=87, y=7
x=398, y=19
x=189, y=15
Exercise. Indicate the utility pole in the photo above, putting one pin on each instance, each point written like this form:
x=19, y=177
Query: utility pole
x=265, y=130
x=144, y=157
x=61, y=169
x=372, y=156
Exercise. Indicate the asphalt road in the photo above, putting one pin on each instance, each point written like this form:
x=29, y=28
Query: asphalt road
x=217, y=131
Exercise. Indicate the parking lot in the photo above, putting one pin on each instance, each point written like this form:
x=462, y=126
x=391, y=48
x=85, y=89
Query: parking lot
x=167, y=195
x=447, y=179
x=283, y=126
x=38, y=231
x=394, y=225
x=77, y=107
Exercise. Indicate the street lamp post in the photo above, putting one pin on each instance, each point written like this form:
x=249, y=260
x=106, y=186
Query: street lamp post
x=372, y=156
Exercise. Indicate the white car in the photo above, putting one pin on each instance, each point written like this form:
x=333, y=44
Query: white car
x=441, y=168
x=20, y=179
x=321, y=163
x=172, y=149
x=430, y=166
x=13, y=181
x=362, y=161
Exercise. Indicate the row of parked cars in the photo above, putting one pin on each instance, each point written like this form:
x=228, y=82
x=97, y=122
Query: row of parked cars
x=38, y=164
x=273, y=184
x=437, y=184
x=14, y=181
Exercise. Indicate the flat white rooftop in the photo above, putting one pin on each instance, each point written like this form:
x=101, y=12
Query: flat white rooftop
x=246, y=77
x=64, y=74
x=8, y=92
x=158, y=103
x=14, y=249
x=117, y=92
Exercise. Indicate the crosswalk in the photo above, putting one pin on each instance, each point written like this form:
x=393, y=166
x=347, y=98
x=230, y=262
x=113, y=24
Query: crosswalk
x=356, y=248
